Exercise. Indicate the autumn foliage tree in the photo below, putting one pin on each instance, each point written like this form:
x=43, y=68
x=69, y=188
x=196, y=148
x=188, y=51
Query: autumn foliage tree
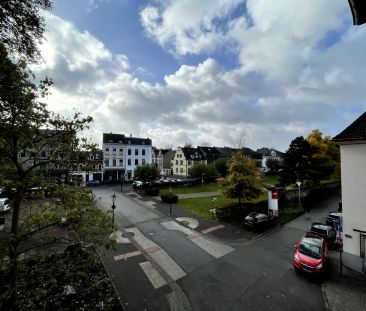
x=244, y=180
x=50, y=142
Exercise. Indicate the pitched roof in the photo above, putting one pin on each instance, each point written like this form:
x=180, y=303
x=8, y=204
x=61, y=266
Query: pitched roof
x=358, y=9
x=122, y=139
x=192, y=153
x=355, y=131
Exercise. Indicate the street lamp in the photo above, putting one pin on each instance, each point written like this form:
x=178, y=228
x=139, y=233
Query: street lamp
x=298, y=183
x=113, y=206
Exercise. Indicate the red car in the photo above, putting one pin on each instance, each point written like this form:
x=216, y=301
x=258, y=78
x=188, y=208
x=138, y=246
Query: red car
x=311, y=254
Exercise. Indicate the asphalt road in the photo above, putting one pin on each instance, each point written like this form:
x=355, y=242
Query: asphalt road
x=172, y=267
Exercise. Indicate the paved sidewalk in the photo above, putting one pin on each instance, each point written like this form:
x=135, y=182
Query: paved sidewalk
x=346, y=290
x=198, y=195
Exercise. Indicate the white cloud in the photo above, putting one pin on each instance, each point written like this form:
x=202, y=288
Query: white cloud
x=285, y=85
x=189, y=26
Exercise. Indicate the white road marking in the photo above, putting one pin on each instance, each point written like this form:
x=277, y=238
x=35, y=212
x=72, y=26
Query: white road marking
x=192, y=223
x=160, y=256
x=147, y=203
x=153, y=275
x=214, y=248
x=117, y=236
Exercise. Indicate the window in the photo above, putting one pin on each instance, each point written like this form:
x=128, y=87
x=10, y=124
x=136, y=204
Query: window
x=114, y=151
x=181, y=170
x=136, y=161
x=106, y=151
x=129, y=152
x=143, y=161
x=176, y=162
x=106, y=162
x=136, y=152
x=114, y=162
x=129, y=161
x=181, y=162
x=189, y=162
x=120, y=151
x=176, y=169
x=143, y=151
x=120, y=162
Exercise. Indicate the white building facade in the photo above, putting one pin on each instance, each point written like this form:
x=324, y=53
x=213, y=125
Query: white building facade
x=123, y=154
x=352, y=143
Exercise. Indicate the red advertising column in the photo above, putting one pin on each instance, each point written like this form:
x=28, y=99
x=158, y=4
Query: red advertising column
x=273, y=202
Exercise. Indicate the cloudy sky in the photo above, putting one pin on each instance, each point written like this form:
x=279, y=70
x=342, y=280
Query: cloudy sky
x=208, y=72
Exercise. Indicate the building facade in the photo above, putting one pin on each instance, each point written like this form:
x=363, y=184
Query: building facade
x=123, y=154
x=352, y=143
x=184, y=158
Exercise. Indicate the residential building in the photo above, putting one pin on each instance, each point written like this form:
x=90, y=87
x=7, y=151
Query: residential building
x=352, y=143
x=184, y=158
x=123, y=154
x=269, y=153
x=167, y=163
x=93, y=170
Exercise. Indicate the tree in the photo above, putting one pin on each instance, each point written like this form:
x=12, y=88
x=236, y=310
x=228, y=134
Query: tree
x=326, y=159
x=244, y=180
x=200, y=170
x=221, y=167
x=22, y=26
x=51, y=143
x=274, y=166
x=297, y=161
x=147, y=172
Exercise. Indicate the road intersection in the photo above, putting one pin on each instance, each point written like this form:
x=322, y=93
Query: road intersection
x=164, y=264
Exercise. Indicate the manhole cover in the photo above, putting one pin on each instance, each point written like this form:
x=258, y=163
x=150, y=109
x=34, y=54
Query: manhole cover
x=128, y=235
x=185, y=222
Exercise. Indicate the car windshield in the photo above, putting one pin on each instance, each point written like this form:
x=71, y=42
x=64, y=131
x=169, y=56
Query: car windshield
x=310, y=247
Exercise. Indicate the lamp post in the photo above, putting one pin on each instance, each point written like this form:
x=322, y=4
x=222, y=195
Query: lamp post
x=113, y=206
x=298, y=183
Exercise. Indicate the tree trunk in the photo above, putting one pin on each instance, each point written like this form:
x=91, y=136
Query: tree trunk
x=13, y=254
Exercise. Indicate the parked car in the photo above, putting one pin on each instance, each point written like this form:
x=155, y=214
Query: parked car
x=258, y=221
x=92, y=183
x=332, y=218
x=311, y=254
x=137, y=184
x=4, y=205
x=325, y=231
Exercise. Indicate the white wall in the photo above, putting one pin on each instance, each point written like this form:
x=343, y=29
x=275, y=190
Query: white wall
x=353, y=166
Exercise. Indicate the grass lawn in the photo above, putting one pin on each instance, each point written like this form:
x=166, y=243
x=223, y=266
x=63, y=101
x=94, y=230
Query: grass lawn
x=271, y=180
x=202, y=206
x=210, y=187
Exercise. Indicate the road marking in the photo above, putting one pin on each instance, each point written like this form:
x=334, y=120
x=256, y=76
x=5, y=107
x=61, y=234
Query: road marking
x=152, y=274
x=214, y=248
x=117, y=236
x=153, y=249
x=159, y=255
x=191, y=222
x=208, y=230
x=147, y=203
x=127, y=255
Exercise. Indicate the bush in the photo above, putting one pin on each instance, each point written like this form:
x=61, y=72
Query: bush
x=169, y=198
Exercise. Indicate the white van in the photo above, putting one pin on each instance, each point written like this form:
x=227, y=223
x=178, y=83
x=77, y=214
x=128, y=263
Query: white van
x=4, y=204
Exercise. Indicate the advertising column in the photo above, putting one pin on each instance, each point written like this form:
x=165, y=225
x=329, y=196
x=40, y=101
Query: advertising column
x=273, y=202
